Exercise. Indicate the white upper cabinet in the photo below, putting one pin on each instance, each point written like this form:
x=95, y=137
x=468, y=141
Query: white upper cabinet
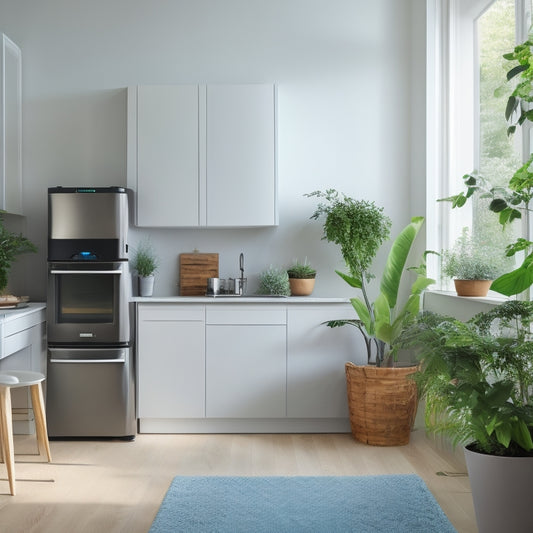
x=10, y=127
x=163, y=147
x=241, y=155
x=203, y=155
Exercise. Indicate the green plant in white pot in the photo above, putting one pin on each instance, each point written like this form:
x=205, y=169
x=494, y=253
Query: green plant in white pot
x=473, y=264
x=145, y=262
x=477, y=381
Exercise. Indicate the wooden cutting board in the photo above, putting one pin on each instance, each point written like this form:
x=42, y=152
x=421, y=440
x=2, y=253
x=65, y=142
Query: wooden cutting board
x=195, y=268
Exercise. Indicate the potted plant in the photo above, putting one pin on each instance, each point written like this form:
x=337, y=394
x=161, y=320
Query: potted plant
x=477, y=381
x=301, y=278
x=473, y=265
x=382, y=399
x=274, y=281
x=145, y=262
x=11, y=245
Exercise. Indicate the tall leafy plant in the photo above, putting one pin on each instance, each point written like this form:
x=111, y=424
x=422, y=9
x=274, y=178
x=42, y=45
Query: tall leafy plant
x=380, y=322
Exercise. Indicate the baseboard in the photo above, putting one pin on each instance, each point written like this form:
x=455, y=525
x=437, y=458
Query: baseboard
x=239, y=425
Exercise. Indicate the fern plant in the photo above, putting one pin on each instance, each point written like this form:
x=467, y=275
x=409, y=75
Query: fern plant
x=477, y=377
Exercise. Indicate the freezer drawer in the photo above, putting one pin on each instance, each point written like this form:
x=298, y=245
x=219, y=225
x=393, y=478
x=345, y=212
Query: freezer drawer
x=90, y=393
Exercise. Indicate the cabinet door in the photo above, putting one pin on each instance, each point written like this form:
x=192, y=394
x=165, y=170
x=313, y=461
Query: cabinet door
x=167, y=155
x=316, y=384
x=171, y=362
x=10, y=127
x=245, y=371
x=241, y=155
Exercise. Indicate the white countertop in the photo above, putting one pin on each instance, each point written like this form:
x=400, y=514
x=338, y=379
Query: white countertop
x=11, y=314
x=239, y=299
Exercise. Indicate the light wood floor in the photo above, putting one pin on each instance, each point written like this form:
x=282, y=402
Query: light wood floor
x=111, y=487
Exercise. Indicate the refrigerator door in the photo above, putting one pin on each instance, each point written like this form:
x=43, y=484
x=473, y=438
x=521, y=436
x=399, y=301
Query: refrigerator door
x=90, y=392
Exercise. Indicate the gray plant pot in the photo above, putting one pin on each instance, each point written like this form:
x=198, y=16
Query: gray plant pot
x=146, y=285
x=502, y=489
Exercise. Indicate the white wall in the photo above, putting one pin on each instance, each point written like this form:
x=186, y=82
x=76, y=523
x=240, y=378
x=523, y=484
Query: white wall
x=350, y=77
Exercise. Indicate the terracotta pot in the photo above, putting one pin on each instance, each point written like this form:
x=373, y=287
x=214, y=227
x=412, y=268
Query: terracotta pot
x=472, y=287
x=501, y=490
x=301, y=287
x=382, y=403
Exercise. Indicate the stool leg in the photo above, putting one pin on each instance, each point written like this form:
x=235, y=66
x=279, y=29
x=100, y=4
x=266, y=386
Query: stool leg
x=37, y=401
x=6, y=429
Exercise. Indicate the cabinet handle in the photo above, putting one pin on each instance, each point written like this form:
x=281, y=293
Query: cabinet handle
x=85, y=271
x=86, y=361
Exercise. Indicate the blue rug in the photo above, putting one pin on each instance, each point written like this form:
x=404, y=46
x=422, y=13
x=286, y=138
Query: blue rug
x=365, y=504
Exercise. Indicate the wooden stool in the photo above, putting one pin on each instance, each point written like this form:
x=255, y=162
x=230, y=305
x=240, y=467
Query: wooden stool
x=10, y=380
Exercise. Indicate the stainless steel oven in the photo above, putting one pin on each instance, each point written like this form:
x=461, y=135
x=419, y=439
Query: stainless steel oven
x=88, y=303
x=91, y=379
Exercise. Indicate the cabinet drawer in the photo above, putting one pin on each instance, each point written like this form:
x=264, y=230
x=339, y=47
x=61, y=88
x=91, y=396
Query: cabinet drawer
x=246, y=314
x=25, y=321
x=162, y=312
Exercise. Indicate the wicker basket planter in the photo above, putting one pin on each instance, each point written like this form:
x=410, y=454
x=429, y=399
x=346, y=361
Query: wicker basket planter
x=382, y=403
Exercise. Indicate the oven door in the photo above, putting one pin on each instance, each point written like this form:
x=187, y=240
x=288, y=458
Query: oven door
x=88, y=303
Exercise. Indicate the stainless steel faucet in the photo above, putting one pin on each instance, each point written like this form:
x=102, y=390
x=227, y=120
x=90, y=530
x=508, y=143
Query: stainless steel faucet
x=241, y=267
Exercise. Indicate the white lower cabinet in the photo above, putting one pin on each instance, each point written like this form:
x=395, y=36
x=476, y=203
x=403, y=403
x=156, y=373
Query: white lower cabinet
x=171, y=361
x=316, y=383
x=245, y=371
x=246, y=361
x=241, y=367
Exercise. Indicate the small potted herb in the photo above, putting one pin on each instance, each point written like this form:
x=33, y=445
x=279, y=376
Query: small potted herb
x=145, y=262
x=274, y=281
x=301, y=278
x=473, y=264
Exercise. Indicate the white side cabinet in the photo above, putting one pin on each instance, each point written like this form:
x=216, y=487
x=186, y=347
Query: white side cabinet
x=10, y=127
x=316, y=383
x=203, y=155
x=246, y=361
x=171, y=361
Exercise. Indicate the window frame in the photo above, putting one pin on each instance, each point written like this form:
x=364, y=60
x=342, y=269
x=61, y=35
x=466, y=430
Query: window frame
x=452, y=96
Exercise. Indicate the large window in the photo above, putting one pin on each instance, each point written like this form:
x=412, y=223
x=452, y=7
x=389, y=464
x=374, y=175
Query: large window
x=467, y=95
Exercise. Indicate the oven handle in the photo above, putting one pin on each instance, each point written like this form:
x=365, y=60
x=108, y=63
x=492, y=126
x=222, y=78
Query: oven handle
x=85, y=271
x=87, y=361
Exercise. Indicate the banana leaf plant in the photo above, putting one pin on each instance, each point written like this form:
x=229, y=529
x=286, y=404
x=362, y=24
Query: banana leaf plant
x=382, y=322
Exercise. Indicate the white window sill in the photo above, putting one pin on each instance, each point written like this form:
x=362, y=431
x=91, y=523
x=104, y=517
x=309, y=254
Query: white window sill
x=461, y=307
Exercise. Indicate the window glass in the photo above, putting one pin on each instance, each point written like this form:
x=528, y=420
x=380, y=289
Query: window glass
x=499, y=156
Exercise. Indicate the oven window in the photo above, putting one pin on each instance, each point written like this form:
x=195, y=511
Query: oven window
x=87, y=298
